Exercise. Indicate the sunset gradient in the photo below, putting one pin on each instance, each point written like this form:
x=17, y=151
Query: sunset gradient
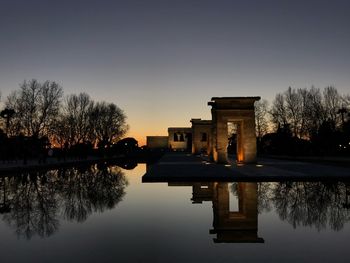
x=162, y=61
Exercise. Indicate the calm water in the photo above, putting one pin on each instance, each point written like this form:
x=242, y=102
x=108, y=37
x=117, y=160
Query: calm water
x=109, y=215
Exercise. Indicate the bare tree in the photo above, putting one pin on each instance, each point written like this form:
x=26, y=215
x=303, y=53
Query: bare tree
x=60, y=133
x=77, y=112
x=109, y=122
x=82, y=120
x=36, y=106
x=344, y=111
x=332, y=103
x=278, y=111
x=261, y=118
x=304, y=110
x=294, y=110
x=314, y=111
x=346, y=101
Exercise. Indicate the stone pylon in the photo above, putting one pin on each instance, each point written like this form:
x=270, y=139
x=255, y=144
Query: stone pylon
x=238, y=110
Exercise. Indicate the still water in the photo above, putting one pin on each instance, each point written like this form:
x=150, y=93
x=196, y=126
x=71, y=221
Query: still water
x=106, y=214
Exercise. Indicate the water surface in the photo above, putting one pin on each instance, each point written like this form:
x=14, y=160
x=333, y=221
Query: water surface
x=106, y=214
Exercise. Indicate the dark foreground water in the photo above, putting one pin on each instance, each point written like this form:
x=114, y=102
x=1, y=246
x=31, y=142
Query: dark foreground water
x=109, y=215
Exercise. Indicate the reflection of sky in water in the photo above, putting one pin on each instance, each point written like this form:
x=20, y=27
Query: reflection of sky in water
x=155, y=222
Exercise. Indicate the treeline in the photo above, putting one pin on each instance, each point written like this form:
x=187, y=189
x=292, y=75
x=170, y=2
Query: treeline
x=39, y=112
x=304, y=121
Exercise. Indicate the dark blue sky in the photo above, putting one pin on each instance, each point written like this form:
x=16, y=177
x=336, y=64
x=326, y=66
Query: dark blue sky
x=161, y=61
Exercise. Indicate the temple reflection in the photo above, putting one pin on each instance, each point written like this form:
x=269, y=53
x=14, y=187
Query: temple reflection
x=239, y=226
x=236, y=226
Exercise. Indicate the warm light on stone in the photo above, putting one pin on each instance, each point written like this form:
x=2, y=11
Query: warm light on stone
x=239, y=110
x=201, y=136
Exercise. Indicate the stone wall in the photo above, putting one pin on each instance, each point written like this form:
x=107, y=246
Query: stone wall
x=180, y=138
x=201, y=136
x=157, y=142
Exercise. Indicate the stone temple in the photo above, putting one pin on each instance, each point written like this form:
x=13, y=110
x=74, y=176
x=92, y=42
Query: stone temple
x=211, y=136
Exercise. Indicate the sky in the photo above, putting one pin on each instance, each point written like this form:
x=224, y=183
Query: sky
x=162, y=61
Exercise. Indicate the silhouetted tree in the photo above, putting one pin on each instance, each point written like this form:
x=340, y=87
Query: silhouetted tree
x=342, y=112
x=261, y=118
x=278, y=111
x=313, y=117
x=126, y=146
x=332, y=103
x=294, y=111
x=77, y=112
x=314, y=111
x=109, y=122
x=73, y=125
x=7, y=114
x=36, y=105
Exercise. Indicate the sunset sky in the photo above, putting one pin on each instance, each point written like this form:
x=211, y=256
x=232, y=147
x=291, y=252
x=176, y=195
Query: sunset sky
x=161, y=61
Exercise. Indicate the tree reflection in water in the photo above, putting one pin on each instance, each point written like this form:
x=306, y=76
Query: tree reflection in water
x=90, y=190
x=36, y=201
x=32, y=202
x=314, y=204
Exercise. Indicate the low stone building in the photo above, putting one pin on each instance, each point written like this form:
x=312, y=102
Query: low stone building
x=180, y=138
x=157, y=142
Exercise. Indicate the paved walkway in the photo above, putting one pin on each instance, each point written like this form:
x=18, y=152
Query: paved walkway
x=178, y=167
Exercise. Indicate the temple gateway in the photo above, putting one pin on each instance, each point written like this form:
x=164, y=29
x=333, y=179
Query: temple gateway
x=211, y=136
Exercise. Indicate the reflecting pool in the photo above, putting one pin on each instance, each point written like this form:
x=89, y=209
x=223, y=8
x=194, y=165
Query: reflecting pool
x=106, y=214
